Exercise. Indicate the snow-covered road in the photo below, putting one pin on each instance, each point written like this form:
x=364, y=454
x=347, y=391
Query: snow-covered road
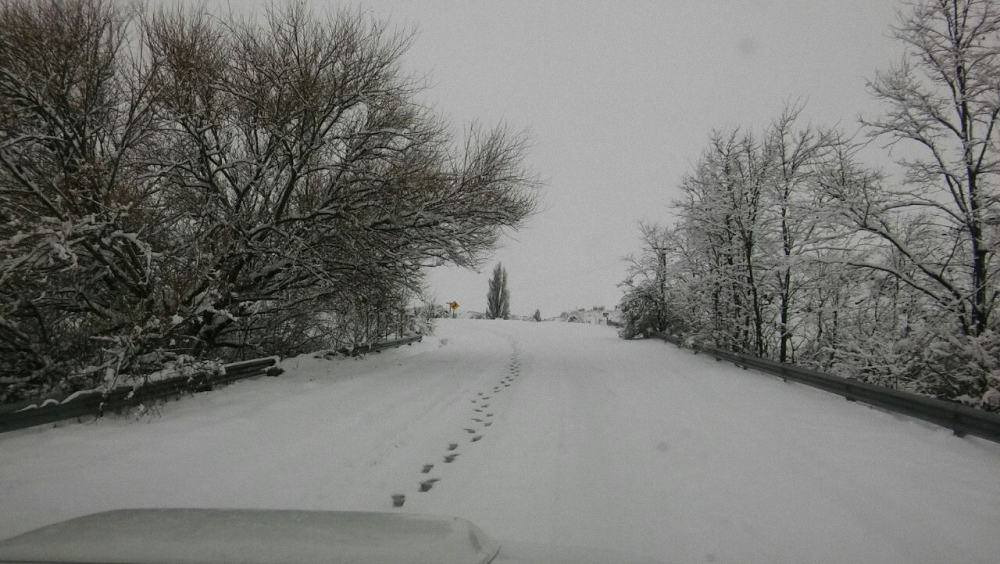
x=562, y=433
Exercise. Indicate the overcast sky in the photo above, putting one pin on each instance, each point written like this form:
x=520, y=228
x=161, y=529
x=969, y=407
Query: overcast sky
x=619, y=99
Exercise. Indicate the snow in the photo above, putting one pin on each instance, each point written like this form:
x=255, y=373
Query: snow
x=597, y=444
x=43, y=404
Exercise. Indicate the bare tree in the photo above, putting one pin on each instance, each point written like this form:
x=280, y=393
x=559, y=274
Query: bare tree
x=658, y=291
x=794, y=154
x=794, y=242
x=323, y=179
x=723, y=212
x=77, y=219
x=944, y=98
x=177, y=181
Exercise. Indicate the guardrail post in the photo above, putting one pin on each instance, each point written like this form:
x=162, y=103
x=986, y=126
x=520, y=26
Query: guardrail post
x=957, y=426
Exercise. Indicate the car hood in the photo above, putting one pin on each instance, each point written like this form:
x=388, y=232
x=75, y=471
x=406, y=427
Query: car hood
x=255, y=536
x=230, y=536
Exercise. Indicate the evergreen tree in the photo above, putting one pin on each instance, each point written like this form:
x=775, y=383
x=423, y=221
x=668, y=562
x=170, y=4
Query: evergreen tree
x=538, y=315
x=498, y=298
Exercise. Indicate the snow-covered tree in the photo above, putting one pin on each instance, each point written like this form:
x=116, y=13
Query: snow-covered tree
x=722, y=214
x=659, y=291
x=79, y=219
x=944, y=100
x=792, y=205
x=177, y=181
x=792, y=248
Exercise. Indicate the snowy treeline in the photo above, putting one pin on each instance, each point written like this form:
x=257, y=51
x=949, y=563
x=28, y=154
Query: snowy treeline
x=178, y=182
x=787, y=246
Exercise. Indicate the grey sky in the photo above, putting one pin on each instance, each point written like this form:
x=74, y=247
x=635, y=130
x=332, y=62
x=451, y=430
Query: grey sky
x=619, y=99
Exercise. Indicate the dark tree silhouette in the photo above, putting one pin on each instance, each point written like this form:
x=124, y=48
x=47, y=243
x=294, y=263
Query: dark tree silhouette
x=498, y=298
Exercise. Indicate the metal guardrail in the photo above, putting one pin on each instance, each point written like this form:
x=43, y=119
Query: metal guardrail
x=51, y=410
x=959, y=418
x=39, y=412
x=379, y=347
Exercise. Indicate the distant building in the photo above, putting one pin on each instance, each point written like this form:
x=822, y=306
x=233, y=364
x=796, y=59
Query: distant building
x=470, y=315
x=597, y=315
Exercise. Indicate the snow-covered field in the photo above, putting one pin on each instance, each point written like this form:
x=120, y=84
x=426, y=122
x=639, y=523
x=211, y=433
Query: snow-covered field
x=563, y=435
